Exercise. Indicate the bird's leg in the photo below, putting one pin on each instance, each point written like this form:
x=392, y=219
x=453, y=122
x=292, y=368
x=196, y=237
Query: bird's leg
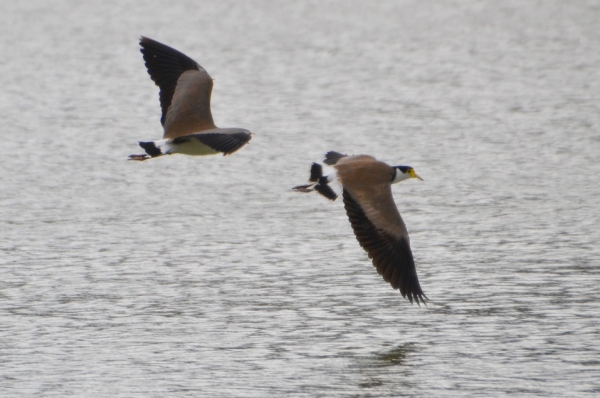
x=139, y=157
x=304, y=188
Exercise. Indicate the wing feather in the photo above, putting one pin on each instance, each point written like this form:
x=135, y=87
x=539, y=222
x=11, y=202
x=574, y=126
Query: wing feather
x=390, y=253
x=332, y=157
x=227, y=143
x=185, y=89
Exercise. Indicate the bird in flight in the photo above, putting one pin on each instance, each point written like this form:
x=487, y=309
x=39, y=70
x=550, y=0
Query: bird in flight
x=366, y=185
x=185, y=89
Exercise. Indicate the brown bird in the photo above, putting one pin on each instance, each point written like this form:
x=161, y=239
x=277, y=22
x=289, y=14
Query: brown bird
x=185, y=89
x=366, y=184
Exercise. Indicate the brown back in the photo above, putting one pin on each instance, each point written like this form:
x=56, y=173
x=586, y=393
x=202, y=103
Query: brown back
x=368, y=182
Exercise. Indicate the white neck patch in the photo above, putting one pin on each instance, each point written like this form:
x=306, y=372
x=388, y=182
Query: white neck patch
x=400, y=176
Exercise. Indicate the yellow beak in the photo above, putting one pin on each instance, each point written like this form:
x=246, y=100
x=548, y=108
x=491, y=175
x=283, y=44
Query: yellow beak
x=412, y=173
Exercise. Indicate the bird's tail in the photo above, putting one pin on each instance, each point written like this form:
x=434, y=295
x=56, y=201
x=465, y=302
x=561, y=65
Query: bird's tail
x=152, y=148
x=319, y=182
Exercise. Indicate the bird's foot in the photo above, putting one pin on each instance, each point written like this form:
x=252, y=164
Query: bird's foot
x=304, y=188
x=139, y=157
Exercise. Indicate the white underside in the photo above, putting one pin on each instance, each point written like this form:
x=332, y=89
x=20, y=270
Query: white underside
x=334, y=182
x=193, y=148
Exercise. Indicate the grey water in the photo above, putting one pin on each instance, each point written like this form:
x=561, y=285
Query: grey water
x=187, y=276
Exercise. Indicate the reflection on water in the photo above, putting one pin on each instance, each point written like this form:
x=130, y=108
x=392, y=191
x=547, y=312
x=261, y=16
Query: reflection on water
x=209, y=277
x=389, y=367
x=396, y=356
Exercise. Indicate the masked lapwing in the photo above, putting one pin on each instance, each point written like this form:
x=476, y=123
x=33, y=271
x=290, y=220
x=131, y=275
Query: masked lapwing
x=366, y=186
x=185, y=89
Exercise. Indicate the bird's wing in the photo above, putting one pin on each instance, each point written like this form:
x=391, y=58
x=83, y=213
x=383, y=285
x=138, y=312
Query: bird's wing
x=226, y=142
x=381, y=232
x=332, y=157
x=185, y=89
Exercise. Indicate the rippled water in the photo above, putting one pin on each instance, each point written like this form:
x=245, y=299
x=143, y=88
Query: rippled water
x=208, y=276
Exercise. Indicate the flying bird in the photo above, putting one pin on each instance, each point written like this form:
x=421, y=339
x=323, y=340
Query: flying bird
x=185, y=89
x=366, y=186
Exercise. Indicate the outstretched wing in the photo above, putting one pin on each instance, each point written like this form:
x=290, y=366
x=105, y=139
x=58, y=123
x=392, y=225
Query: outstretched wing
x=386, y=243
x=224, y=142
x=185, y=89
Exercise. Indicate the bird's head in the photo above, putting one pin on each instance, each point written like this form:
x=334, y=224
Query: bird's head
x=404, y=173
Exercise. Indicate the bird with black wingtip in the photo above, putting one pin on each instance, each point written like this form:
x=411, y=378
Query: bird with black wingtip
x=185, y=90
x=366, y=188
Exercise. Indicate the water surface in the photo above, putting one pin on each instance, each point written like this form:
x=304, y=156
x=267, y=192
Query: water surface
x=187, y=276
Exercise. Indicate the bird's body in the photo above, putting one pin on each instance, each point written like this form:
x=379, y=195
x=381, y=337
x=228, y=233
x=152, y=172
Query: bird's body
x=375, y=219
x=185, y=90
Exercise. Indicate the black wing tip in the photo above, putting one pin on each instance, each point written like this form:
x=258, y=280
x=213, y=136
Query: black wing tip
x=165, y=64
x=242, y=139
x=316, y=172
x=157, y=53
x=325, y=190
x=332, y=157
x=150, y=148
x=391, y=256
x=144, y=40
x=227, y=143
x=416, y=297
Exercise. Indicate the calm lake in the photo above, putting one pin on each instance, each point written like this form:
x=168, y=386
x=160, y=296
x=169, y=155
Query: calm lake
x=209, y=277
